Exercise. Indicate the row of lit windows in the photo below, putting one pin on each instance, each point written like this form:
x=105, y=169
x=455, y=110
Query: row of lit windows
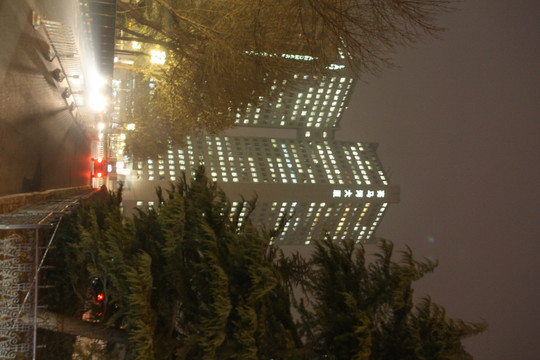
x=330, y=95
x=310, y=219
x=362, y=167
x=286, y=161
x=345, y=221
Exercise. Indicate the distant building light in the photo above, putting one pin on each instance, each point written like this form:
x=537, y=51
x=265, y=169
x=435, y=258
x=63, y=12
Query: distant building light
x=335, y=67
x=358, y=193
x=285, y=56
x=298, y=57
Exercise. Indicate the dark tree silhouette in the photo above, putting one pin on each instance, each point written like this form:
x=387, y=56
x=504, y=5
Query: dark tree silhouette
x=188, y=280
x=223, y=56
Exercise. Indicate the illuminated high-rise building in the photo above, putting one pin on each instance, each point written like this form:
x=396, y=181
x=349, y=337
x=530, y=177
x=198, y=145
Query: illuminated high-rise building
x=317, y=183
x=310, y=102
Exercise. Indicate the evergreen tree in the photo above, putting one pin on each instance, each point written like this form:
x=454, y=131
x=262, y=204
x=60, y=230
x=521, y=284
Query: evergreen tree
x=227, y=285
x=192, y=280
x=185, y=280
x=141, y=317
x=361, y=309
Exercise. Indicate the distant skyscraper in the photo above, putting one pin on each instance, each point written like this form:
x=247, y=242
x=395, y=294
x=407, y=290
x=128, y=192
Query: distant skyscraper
x=320, y=185
x=317, y=183
x=310, y=102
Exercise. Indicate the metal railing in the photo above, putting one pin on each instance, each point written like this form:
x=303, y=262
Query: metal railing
x=63, y=46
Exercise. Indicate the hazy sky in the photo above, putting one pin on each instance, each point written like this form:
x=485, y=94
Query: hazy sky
x=458, y=123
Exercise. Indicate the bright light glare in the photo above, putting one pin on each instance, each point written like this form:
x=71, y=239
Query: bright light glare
x=157, y=57
x=131, y=126
x=97, y=101
x=121, y=169
x=101, y=126
x=96, y=83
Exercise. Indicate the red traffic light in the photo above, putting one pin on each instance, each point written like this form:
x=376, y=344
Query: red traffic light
x=100, y=297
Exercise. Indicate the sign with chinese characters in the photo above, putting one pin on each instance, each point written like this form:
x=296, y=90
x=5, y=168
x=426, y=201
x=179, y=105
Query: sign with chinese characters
x=358, y=193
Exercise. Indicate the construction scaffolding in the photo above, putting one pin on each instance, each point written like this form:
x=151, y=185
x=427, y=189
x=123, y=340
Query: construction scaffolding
x=14, y=271
x=23, y=248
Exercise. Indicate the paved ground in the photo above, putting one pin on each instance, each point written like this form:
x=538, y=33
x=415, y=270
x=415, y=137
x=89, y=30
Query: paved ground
x=41, y=146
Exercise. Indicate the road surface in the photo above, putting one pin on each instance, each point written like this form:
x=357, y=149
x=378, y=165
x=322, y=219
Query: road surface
x=41, y=146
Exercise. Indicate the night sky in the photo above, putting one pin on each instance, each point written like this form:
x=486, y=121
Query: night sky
x=458, y=127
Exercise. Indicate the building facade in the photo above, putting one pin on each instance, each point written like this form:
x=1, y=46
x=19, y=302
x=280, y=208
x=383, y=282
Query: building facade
x=309, y=102
x=318, y=184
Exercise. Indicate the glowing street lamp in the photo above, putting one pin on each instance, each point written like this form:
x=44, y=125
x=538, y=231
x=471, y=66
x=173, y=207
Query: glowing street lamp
x=96, y=98
x=157, y=57
x=97, y=101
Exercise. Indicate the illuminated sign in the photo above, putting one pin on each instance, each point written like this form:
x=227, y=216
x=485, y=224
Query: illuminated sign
x=358, y=194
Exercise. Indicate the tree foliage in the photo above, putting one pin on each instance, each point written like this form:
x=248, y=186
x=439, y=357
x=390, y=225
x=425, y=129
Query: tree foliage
x=184, y=280
x=361, y=308
x=187, y=280
x=223, y=56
